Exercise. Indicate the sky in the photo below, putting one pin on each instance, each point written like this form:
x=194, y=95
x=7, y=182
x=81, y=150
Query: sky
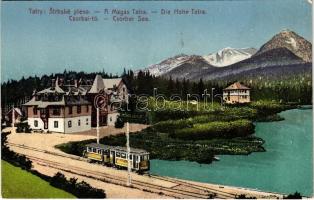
x=45, y=44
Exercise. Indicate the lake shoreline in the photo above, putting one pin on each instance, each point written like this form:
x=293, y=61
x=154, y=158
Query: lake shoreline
x=285, y=150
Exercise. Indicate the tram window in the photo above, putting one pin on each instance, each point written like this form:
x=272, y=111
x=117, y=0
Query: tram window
x=94, y=150
x=130, y=157
x=89, y=149
x=99, y=151
x=123, y=155
x=118, y=154
x=145, y=157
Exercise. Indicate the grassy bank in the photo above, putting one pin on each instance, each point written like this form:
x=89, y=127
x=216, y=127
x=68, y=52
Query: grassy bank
x=18, y=183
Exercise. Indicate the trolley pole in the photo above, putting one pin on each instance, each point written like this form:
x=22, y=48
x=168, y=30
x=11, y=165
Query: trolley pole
x=129, y=182
x=97, y=128
x=13, y=116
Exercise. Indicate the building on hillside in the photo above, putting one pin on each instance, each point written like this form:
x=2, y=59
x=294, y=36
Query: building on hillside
x=55, y=110
x=113, y=92
x=236, y=93
x=70, y=108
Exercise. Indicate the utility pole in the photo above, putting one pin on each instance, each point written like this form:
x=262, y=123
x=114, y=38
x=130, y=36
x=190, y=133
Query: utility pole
x=213, y=98
x=129, y=182
x=13, y=118
x=97, y=128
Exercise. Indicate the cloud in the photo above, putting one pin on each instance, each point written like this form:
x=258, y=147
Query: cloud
x=310, y=1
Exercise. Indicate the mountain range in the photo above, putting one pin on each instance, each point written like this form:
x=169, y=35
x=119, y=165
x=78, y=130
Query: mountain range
x=282, y=51
x=228, y=56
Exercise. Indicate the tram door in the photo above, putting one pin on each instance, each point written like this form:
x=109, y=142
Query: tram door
x=113, y=157
x=134, y=161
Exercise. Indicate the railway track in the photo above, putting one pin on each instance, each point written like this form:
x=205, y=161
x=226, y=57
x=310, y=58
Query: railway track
x=178, y=191
x=181, y=189
x=208, y=188
x=145, y=186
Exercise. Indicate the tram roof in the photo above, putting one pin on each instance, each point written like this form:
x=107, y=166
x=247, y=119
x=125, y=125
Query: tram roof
x=117, y=148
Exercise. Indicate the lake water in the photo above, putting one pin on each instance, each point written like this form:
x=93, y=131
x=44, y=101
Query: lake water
x=285, y=167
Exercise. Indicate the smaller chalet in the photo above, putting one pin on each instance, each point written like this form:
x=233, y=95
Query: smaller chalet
x=15, y=115
x=236, y=93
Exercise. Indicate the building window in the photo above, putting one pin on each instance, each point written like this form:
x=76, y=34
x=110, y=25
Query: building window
x=69, y=123
x=56, y=111
x=35, y=111
x=111, y=119
x=78, y=109
x=35, y=123
x=70, y=110
x=86, y=121
x=87, y=108
x=79, y=122
x=55, y=124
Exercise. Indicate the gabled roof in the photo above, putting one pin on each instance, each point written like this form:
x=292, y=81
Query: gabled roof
x=66, y=100
x=17, y=110
x=81, y=90
x=98, y=85
x=44, y=104
x=55, y=89
x=111, y=82
x=102, y=84
x=74, y=100
x=237, y=86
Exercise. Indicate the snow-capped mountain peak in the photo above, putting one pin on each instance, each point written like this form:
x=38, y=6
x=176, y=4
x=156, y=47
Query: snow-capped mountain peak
x=228, y=56
x=166, y=65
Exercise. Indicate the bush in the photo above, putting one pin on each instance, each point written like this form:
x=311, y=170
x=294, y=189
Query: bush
x=238, y=128
x=243, y=196
x=163, y=115
x=23, y=128
x=79, y=189
x=134, y=117
x=12, y=157
x=296, y=195
x=119, y=123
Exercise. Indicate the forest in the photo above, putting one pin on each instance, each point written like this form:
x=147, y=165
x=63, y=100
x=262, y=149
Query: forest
x=293, y=88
